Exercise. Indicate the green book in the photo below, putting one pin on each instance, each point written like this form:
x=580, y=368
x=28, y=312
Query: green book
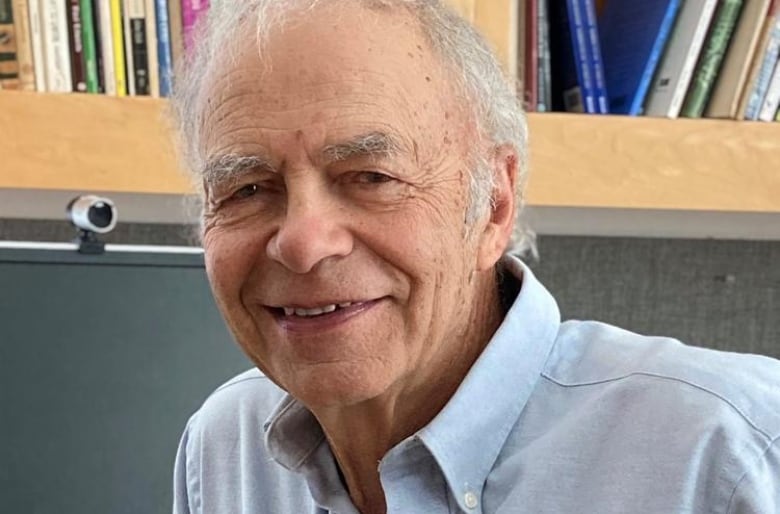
x=89, y=46
x=711, y=58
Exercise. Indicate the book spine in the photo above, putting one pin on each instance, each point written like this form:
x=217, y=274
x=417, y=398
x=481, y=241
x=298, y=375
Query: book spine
x=139, y=49
x=24, y=53
x=152, y=61
x=544, y=90
x=9, y=65
x=176, y=34
x=765, y=72
x=89, y=45
x=772, y=99
x=579, y=43
x=77, y=66
x=711, y=59
x=659, y=44
x=36, y=37
x=594, y=52
x=192, y=10
x=129, y=10
x=531, y=68
x=679, y=60
x=164, y=48
x=118, y=47
x=54, y=22
x=106, y=41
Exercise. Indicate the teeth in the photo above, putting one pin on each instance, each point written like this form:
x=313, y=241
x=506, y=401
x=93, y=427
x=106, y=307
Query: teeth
x=347, y=304
x=316, y=311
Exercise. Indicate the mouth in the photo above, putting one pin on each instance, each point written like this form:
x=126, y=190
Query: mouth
x=319, y=317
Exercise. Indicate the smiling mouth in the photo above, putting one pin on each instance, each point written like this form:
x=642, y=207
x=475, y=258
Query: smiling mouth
x=324, y=311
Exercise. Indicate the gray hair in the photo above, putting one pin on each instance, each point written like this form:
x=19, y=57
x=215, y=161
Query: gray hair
x=474, y=68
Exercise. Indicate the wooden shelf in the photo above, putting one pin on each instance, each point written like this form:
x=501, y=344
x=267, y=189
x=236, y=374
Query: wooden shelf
x=83, y=142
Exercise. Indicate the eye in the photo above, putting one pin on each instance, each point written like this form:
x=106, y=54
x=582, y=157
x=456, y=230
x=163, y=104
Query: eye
x=245, y=192
x=372, y=177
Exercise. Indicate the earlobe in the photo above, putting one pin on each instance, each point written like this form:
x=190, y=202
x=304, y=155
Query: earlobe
x=498, y=229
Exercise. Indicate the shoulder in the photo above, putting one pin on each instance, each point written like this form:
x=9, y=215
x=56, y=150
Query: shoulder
x=249, y=397
x=742, y=386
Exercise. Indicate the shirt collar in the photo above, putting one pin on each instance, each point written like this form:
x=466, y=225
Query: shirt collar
x=467, y=435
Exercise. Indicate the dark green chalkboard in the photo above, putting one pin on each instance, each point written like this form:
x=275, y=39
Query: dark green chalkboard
x=102, y=360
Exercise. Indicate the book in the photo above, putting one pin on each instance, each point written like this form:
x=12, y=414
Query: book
x=543, y=59
x=522, y=7
x=36, y=38
x=176, y=34
x=711, y=58
x=164, y=54
x=633, y=37
x=572, y=83
x=78, y=72
x=676, y=67
x=594, y=54
x=192, y=10
x=54, y=31
x=761, y=74
x=152, y=61
x=9, y=65
x=736, y=65
x=531, y=56
x=497, y=21
x=89, y=44
x=772, y=98
x=24, y=53
x=135, y=47
x=118, y=47
x=106, y=47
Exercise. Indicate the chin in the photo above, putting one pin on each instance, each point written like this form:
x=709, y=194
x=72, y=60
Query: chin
x=338, y=385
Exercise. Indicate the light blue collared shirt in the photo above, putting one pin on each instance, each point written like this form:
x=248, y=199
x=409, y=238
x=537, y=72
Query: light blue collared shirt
x=575, y=417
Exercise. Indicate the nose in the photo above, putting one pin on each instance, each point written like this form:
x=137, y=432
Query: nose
x=314, y=229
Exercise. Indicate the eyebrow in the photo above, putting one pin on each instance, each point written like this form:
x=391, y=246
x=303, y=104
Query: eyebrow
x=230, y=167
x=372, y=144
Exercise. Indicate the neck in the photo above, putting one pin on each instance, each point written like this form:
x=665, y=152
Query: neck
x=361, y=434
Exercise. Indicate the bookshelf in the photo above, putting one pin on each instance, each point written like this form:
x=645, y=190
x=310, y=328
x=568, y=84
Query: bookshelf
x=82, y=142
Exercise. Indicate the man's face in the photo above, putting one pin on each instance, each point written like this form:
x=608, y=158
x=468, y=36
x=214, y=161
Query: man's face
x=338, y=252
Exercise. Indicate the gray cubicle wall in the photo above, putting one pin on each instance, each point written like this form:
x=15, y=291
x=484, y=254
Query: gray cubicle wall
x=102, y=360
x=91, y=406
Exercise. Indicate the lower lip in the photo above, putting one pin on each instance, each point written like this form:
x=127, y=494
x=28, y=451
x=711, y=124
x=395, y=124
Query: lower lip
x=301, y=324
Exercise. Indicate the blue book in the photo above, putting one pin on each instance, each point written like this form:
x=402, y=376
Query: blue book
x=572, y=80
x=164, y=59
x=767, y=66
x=633, y=37
x=595, y=62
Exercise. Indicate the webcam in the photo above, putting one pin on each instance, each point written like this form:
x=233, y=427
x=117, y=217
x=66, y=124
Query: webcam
x=92, y=215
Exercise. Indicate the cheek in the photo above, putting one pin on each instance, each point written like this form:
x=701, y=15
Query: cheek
x=229, y=258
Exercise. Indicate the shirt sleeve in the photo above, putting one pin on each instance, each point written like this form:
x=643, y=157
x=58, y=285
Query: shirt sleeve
x=181, y=497
x=758, y=491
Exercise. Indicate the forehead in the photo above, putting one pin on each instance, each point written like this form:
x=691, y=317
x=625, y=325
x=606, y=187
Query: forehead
x=336, y=65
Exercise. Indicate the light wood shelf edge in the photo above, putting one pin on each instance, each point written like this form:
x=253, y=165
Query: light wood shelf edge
x=95, y=143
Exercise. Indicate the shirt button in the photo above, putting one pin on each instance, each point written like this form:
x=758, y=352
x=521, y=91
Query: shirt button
x=471, y=500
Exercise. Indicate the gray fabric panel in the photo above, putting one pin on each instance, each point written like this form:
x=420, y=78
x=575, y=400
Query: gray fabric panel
x=719, y=294
x=125, y=233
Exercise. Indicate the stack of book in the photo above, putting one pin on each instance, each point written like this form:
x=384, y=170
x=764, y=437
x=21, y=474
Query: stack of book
x=669, y=58
x=115, y=47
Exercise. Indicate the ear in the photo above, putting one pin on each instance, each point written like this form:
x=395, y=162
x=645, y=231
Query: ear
x=504, y=163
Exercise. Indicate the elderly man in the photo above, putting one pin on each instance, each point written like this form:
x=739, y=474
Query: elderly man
x=362, y=164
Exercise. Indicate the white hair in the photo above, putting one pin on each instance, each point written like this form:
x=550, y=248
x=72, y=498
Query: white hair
x=475, y=71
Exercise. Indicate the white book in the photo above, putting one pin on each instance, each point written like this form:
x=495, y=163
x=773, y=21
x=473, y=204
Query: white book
x=103, y=17
x=36, y=37
x=151, y=49
x=772, y=99
x=675, y=72
x=54, y=24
